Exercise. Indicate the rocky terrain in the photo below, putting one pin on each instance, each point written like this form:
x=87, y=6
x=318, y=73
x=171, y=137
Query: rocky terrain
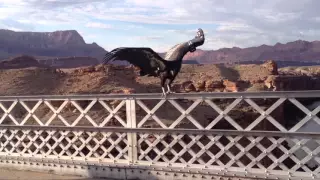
x=104, y=79
x=69, y=62
x=20, y=62
x=25, y=61
x=26, y=76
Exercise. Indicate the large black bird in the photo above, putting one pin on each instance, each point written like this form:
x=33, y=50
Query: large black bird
x=152, y=64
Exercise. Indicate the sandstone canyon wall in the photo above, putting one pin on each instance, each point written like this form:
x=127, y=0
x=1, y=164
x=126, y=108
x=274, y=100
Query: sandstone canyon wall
x=48, y=44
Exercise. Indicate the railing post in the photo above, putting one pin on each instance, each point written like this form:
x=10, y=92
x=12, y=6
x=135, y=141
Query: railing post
x=132, y=136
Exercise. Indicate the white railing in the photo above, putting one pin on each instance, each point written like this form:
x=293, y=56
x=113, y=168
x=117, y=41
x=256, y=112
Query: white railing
x=199, y=135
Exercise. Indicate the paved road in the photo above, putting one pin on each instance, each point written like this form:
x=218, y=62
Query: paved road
x=6, y=174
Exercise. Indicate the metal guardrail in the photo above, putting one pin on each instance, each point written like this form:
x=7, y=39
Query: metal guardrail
x=261, y=94
x=140, y=134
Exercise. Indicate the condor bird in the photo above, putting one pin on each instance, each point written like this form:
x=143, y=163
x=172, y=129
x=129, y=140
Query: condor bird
x=151, y=64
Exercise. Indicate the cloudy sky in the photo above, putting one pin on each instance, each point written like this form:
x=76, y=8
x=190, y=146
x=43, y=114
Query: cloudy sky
x=161, y=24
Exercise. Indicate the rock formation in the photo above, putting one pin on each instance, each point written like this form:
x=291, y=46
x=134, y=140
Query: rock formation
x=296, y=51
x=20, y=62
x=48, y=44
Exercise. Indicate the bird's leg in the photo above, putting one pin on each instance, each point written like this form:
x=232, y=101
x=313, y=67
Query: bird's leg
x=169, y=89
x=163, y=80
x=170, y=82
x=163, y=92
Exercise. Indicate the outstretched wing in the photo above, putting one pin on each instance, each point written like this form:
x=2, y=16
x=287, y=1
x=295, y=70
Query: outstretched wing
x=144, y=58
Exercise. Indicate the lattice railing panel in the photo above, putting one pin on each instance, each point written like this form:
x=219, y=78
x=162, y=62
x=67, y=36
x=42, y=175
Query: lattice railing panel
x=97, y=113
x=232, y=113
x=206, y=113
x=189, y=114
x=225, y=152
x=80, y=145
x=259, y=154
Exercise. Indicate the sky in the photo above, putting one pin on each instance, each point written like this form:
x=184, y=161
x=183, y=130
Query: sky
x=160, y=24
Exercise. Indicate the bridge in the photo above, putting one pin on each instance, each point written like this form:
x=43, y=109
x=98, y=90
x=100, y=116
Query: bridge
x=242, y=135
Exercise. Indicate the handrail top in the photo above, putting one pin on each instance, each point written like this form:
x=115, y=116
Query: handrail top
x=194, y=95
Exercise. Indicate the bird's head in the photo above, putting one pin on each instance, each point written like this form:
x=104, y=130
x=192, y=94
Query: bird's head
x=197, y=41
x=200, y=33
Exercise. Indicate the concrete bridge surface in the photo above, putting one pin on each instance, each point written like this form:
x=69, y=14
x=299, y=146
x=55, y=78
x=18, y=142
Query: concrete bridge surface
x=8, y=174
